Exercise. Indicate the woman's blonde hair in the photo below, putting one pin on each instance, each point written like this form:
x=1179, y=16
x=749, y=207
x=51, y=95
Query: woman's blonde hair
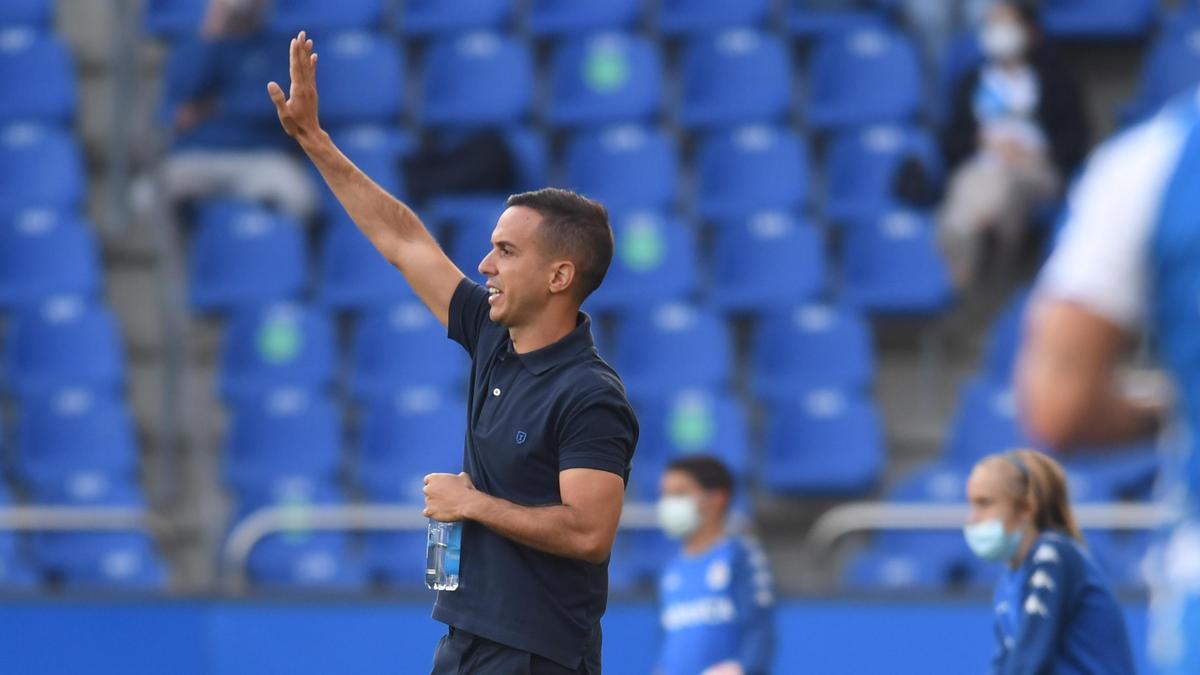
x=1039, y=479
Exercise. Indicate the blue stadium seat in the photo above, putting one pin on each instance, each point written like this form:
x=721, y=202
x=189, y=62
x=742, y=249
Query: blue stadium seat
x=1004, y=337
x=737, y=76
x=301, y=558
x=429, y=17
x=574, y=17
x=362, y=78
x=608, y=78
x=863, y=77
x=624, y=167
x=244, y=255
x=765, y=260
x=860, y=167
x=39, y=166
x=803, y=347
x=278, y=345
x=288, y=17
x=472, y=241
x=891, y=264
x=1125, y=472
x=403, y=346
x=528, y=149
x=678, y=17
x=902, y=568
x=638, y=559
x=823, y=442
x=751, y=169
x=45, y=252
x=1171, y=66
x=74, y=438
x=171, y=19
x=985, y=423
x=287, y=436
x=816, y=21
x=65, y=341
x=655, y=260
x=683, y=422
x=1098, y=18
x=123, y=561
x=26, y=14
x=376, y=150
x=354, y=275
x=247, y=65
x=477, y=79
x=673, y=346
x=37, y=78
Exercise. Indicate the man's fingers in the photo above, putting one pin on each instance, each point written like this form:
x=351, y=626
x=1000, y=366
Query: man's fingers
x=294, y=61
x=276, y=94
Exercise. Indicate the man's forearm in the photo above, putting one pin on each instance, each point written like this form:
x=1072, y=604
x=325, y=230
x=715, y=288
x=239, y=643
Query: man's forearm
x=557, y=529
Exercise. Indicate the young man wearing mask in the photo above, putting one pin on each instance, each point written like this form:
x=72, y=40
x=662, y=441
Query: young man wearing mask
x=715, y=596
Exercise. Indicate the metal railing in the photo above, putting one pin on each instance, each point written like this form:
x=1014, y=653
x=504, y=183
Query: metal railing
x=91, y=519
x=277, y=519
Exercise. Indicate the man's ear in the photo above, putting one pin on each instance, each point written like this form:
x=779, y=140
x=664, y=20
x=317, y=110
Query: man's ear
x=562, y=276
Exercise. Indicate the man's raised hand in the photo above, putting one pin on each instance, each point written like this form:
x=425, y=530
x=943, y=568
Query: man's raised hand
x=298, y=111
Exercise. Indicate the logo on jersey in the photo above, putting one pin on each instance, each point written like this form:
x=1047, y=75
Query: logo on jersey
x=521, y=437
x=1041, y=580
x=702, y=612
x=1035, y=606
x=1045, y=554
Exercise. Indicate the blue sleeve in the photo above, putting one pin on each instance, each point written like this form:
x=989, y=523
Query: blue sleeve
x=467, y=314
x=1000, y=655
x=755, y=603
x=1052, y=582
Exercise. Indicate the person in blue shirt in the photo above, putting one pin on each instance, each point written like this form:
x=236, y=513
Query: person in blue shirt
x=1127, y=261
x=715, y=596
x=1053, y=612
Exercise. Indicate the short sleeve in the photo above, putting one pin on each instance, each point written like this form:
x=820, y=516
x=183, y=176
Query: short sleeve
x=1102, y=256
x=467, y=314
x=599, y=432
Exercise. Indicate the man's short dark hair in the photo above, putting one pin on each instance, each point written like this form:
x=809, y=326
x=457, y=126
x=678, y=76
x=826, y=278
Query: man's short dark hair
x=710, y=472
x=575, y=227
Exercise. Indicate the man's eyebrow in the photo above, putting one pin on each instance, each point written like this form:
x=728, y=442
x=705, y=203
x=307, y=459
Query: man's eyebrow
x=504, y=242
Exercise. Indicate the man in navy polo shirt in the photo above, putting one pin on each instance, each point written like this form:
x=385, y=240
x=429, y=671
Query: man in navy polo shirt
x=550, y=432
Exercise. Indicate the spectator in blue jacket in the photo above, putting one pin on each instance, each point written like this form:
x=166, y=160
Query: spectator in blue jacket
x=715, y=596
x=1053, y=612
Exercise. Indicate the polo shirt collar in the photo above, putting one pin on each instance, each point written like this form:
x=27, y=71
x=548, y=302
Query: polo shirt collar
x=569, y=346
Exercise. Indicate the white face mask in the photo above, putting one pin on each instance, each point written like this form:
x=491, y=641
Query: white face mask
x=1003, y=40
x=678, y=515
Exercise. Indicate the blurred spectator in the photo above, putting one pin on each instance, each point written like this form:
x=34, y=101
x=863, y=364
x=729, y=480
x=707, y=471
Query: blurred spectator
x=1017, y=131
x=715, y=597
x=935, y=24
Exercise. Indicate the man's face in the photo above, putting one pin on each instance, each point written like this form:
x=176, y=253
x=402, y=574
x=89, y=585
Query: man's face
x=518, y=271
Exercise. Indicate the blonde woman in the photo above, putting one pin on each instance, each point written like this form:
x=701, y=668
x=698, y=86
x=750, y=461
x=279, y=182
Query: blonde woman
x=1053, y=611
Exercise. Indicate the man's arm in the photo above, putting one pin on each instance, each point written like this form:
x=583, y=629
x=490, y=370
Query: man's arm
x=388, y=223
x=582, y=527
x=1067, y=392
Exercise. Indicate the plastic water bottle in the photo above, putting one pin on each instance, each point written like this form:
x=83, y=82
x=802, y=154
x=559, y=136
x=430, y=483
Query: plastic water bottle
x=442, y=554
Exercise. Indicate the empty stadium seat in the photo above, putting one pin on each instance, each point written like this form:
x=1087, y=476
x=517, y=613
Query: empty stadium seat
x=815, y=21
x=804, y=347
x=430, y=17
x=75, y=441
x=354, y=275
x=574, y=17
x=605, y=79
x=45, y=252
x=823, y=442
x=288, y=436
x=703, y=16
x=477, y=79
x=624, y=167
x=37, y=77
x=985, y=422
x=683, y=422
x=909, y=568
x=242, y=256
x=377, y=151
x=26, y=14
x=1004, y=337
x=1098, y=18
x=672, y=346
x=765, y=260
x=864, y=76
x=737, y=76
x=891, y=264
x=527, y=148
x=402, y=346
x=288, y=17
x=1171, y=66
x=39, y=166
x=65, y=341
x=751, y=169
x=861, y=164
x=655, y=260
x=362, y=78
x=173, y=18
x=278, y=345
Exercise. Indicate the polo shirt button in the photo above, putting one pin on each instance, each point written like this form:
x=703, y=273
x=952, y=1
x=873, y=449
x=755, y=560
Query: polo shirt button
x=496, y=391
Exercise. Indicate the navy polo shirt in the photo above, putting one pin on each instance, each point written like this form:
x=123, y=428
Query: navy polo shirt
x=531, y=416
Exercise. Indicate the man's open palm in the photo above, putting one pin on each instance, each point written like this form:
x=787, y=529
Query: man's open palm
x=298, y=111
